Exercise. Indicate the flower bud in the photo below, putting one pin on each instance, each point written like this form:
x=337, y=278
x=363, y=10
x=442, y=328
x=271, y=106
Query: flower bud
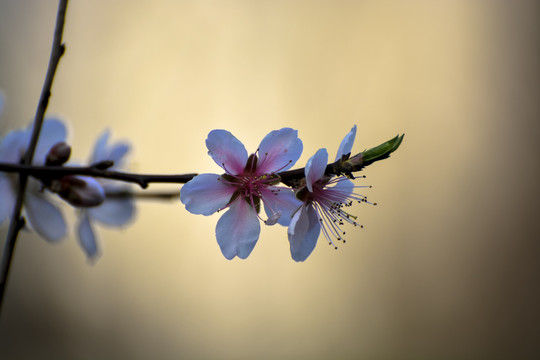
x=81, y=191
x=58, y=155
x=382, y=151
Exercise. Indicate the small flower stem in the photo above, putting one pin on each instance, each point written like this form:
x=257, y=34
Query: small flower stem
x=17, y=222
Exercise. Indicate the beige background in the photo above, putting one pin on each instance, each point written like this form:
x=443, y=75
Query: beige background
x=445, y=267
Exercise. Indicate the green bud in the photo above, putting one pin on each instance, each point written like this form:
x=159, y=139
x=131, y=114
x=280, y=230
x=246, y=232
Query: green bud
x=382, y=151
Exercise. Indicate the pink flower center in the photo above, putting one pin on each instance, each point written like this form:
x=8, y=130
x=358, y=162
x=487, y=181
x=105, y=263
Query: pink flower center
x=250, y=186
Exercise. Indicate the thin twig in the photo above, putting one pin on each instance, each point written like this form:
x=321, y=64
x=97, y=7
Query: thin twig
x=56, y=172
x=16, y=220
x=143, y=180
x=145, y=195
x=345, y=166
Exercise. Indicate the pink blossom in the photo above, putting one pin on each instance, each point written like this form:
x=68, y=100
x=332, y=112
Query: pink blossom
x=323, y=201
x=247, y=181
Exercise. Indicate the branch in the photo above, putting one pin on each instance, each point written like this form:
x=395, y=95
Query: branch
x=57, y=172
x=345, y=166
x=145, y=195
x=16, y=221
x=348, y=165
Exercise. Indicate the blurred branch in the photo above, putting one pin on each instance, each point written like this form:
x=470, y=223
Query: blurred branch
x=145, y=195
x=16, y=221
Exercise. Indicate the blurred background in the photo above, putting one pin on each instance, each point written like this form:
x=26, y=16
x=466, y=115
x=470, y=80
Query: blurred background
x=446, y=265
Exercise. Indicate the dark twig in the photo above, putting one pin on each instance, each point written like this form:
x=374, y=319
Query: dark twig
x=56, y=172
x=170, y=195
x=345, y=166
x=16, y=220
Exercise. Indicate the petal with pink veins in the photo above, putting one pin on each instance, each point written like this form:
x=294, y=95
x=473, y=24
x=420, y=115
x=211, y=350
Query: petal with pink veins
x=205, y=194
x=227, y=151
x=279, y=151
x=237, y=231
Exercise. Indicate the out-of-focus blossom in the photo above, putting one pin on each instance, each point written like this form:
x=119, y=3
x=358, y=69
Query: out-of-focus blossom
x=323, y=201
x=114, y=211
x=247, y=181
x=40, y=209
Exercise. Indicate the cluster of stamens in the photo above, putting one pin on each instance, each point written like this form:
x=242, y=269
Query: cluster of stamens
x=330, y=204
x=253, y=187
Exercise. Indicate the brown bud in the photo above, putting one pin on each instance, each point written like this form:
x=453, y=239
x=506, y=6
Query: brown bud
x=81, y=191
x=58, y=155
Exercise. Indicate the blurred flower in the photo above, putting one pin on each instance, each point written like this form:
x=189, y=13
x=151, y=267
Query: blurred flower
x=324, y=198
x=41, y=212
x=114, y=211
x=247, y=181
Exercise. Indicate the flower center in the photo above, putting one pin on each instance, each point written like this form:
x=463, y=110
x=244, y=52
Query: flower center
x=251, y=186
x=330, y=202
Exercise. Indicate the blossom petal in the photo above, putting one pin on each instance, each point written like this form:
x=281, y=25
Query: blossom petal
x=13, y=146
x=87, y=238
x=205, y=194
x=114, y=212
x=279, y=151
x=315, y=167
x=303, y=233
x=44, y=217
x=237, y=231
x=117, y=153
x=282, y=201
x=103, y=152
x=53, y=131
x=227, y=151
x=346, y=144
x=343, y=188
x=7, y=197
x=100, y=147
